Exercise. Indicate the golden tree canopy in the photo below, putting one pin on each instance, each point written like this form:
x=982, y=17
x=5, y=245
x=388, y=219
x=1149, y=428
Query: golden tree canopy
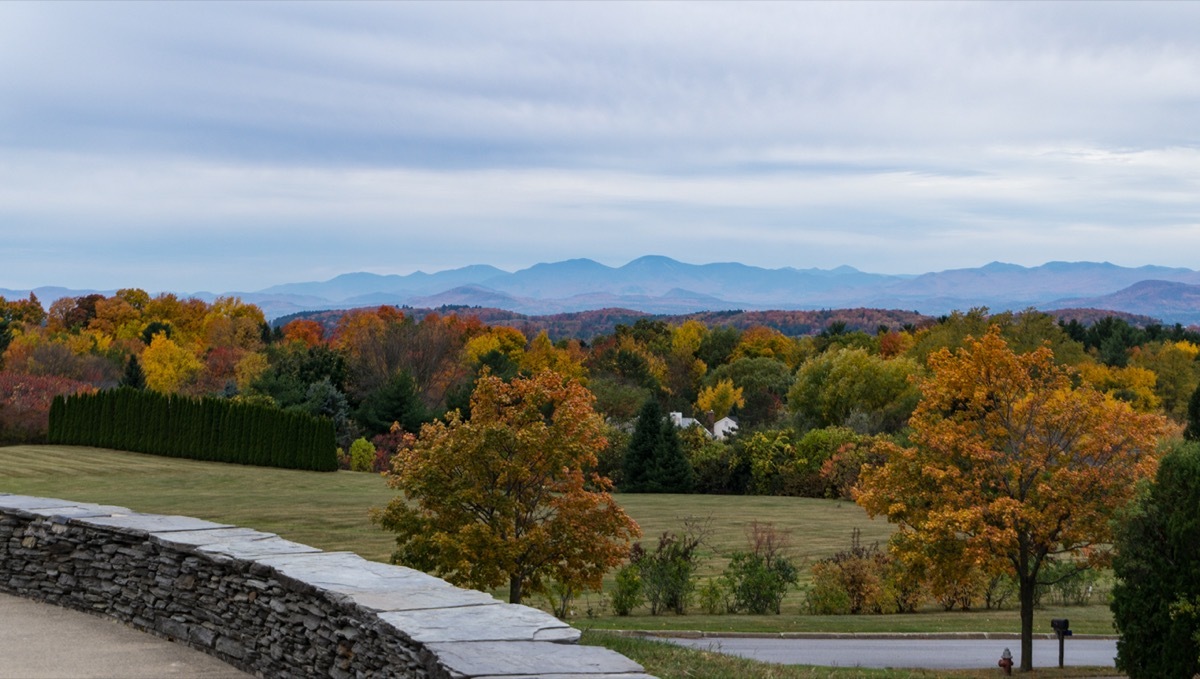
x=1010, y=460
x=506, y=495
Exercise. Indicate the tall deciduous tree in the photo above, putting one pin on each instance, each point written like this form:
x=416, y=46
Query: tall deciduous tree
x=1011, y=460
x=507, y=495
x=850, y=387
x=720, y=399
x=168, y=366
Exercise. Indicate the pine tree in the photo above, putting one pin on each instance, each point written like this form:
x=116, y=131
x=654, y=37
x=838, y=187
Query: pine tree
x=672, y=471
x=643, y=446
x=134, y=377
x=655, y=462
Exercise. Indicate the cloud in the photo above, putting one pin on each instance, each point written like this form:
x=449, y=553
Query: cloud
x=253, y=140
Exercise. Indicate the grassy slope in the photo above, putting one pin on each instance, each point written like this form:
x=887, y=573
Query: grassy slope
x=330, y=511
x=325, y=510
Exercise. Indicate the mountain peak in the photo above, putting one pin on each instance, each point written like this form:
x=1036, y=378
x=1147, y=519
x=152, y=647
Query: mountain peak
x=648, y=261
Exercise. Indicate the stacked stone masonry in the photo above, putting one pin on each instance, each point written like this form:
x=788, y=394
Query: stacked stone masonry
x=277, y=608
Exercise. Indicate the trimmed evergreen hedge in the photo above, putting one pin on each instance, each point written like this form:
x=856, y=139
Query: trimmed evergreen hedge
x=199, y=429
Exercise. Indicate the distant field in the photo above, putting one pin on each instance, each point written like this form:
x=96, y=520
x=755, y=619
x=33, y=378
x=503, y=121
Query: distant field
x=323, y=509
x=330, y=511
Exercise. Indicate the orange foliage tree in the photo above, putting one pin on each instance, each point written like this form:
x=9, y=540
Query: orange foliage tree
x=507, y=495
x=1011, y=461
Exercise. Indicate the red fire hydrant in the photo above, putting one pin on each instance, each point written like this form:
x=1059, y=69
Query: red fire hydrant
x=1006, y=661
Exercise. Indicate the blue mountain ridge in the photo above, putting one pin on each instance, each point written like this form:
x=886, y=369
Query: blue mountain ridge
x=657, y=284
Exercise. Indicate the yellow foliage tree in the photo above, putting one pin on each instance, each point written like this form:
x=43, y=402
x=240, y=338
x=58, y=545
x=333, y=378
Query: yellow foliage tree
x=508, y=341
x=1010, y=461
x=763, y=342
x=504, y=496
x=1132, y=384
x=248, y=369
x=1177, y=371
x=686, y=339
x=720, y=398
x=168, y=366
x=543, y=355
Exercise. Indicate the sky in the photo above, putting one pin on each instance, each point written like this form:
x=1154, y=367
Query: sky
x=232, y=146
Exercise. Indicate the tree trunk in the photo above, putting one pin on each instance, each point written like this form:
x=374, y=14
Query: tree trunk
x=514, y=590
x=1027, y=584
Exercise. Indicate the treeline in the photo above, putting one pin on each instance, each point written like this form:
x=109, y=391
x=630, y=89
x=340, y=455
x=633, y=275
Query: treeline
x=587, y=325
x=200, y=429
x=808, y=404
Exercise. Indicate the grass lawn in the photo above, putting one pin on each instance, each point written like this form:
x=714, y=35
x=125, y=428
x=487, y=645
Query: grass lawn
x=330, y=511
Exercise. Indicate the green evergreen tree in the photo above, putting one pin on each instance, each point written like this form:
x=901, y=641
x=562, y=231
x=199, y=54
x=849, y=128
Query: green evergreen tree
x=672, y=471
x=397, y=401
x=1192, y=433
x=643, y=447
x=134, y=377
x=1156, y=600
x=54, y=434
x=655, y=461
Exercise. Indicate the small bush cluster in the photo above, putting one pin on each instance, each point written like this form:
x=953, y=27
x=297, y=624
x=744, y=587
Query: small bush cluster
x=867, y=579
x=201, y=429
x=760, y=578
x=667, y=573
x=755, y=581
x=362, y=455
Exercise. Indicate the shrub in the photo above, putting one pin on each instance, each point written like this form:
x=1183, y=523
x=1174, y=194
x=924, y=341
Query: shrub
x=1067, y=584
x=713, y=594
x=759, y=584
x=827, y=594
x=388, y=445
x=668, y=572
x=627, y=594
x=759, y=578
x=561, y=595
x=855, y=580
x=782, y=464
x=998, y=590
x=362, y=455
x=715, y=464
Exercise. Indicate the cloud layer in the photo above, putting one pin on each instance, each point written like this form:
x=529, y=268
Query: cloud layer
x=230, y=146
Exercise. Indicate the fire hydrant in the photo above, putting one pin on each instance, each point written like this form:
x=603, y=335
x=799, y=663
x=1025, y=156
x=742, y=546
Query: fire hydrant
x=1006, y=661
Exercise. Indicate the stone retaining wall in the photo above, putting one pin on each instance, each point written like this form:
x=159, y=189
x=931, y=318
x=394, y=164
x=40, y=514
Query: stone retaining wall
x=278, y=608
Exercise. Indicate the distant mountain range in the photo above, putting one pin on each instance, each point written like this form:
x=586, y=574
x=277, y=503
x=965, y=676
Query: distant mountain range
x=661, y=285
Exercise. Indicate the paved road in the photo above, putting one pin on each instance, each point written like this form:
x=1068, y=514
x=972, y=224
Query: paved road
x=43, y=641
x=935, y=654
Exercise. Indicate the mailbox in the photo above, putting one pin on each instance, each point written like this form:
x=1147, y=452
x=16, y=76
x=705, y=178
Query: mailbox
x=1062, y=629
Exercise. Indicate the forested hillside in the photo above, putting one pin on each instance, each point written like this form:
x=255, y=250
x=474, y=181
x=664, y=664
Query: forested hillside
x=810, y=391
x=586, y=325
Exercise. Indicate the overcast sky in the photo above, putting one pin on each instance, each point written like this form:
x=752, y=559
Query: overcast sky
x=232, y=146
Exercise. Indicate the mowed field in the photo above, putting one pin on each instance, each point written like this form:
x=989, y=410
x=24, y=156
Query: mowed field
x=331, y=511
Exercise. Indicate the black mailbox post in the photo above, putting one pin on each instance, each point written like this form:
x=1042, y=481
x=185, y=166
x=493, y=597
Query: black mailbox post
x=1062, y=628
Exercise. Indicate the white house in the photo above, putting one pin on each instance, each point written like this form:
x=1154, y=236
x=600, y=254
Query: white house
x=724, y=427
x=720, y=430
